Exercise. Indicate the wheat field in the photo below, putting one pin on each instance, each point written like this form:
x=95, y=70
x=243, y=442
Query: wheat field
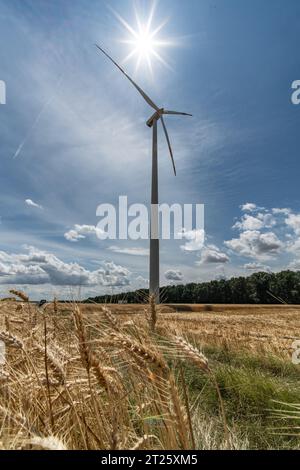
x=77, y=376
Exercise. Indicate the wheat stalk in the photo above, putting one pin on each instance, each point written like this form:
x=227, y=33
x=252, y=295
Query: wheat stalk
x=106, y=377
x=20, y=294
x=111, y=318
x=82, y=338
x=54, y=362
x=179, y=415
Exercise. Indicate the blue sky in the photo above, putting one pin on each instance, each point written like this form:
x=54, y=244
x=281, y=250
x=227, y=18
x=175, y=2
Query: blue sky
x=73, y=136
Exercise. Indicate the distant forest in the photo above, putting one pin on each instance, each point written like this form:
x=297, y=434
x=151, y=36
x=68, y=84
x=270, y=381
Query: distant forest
x=259, y=288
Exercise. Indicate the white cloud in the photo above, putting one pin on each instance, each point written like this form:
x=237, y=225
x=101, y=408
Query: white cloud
x=18, y=273
x=38, y=267
x=268, y=220
x=254, y=244
x=141, y=281
x=294, y=265
x=257, y=241
x=173, y=275
x=212, y=255
x=31, y=203
x=248, y=207
x=293, y=221
x=195, y=240
x=293, y=246
x=134, y=251
x=255, y=267
x=248, y=222
x=82, y=231
x=278, y=211
x=260, y=221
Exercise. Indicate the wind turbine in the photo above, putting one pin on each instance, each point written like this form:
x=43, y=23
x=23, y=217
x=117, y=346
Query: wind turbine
x=154, y=220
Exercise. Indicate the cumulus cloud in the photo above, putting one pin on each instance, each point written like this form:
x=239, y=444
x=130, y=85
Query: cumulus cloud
x=134, y=251
x=141, y=281
x=293, y=245
x=293, y=222
x=248, y=207
x=256, y=267
x=278, y=211
x=294, y=265
x=260, y=221
x=31, y=203
x=212, y=255
x=173, y=275
x=260, y=231
x=195, y=240
x=82, y=231
x=254, y=244
x=38, y=267
x=17, y=273
x=248, y=222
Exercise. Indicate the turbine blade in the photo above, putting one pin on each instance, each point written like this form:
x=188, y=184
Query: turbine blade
x=169, y=143
x=146, y=97
x=177, y=113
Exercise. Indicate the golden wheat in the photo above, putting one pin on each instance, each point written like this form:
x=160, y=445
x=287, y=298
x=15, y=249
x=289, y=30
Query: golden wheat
x=10, y=340
x=100, y=380
x=20, y=294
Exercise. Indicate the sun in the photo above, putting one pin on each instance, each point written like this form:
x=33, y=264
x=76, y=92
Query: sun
x=143, y=44
x=144, y=40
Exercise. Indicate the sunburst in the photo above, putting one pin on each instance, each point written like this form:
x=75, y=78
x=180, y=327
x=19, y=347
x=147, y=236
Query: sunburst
x=144, y=40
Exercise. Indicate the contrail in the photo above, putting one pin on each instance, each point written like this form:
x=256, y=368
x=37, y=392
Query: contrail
x=37, y=119
x=35, y=123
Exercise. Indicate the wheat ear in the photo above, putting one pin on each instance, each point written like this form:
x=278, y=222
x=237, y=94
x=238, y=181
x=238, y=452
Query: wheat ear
x=82, y=338
x=11, y=340
x=190, y=352
x=20, y=294
x=142, y=352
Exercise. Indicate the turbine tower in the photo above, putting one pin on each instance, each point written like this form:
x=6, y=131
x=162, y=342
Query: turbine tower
x=154, y=219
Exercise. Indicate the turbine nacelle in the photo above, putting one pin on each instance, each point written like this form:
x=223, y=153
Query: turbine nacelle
x=160, y=112
x=155, y=117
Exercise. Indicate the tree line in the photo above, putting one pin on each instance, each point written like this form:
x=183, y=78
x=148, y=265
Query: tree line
x=259, y=288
